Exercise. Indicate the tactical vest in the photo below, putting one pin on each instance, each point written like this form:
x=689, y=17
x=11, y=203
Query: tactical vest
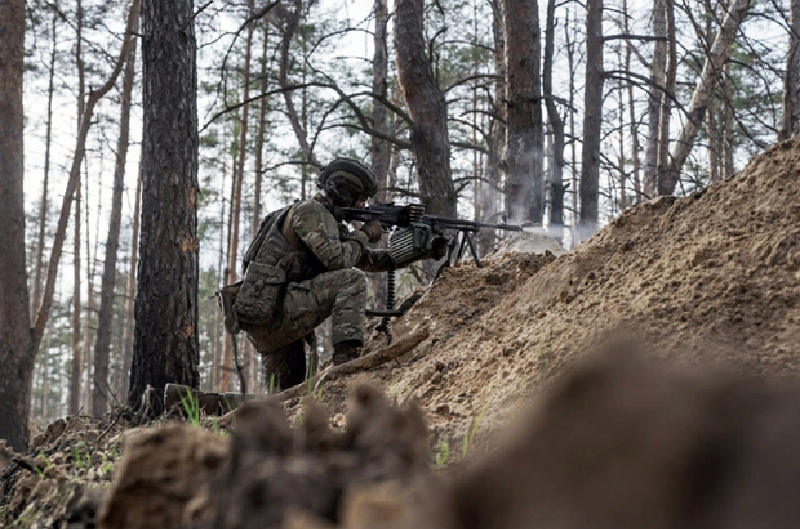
x=271, y=262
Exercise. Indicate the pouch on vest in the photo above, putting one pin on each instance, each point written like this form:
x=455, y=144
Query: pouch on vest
x=260, y=293
x=226, y=297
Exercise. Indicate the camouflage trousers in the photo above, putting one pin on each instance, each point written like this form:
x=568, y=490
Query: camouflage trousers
x=340, y=294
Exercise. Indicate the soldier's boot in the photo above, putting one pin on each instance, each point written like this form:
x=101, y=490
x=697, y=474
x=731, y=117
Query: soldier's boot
x=285, y=367
x=345, y=351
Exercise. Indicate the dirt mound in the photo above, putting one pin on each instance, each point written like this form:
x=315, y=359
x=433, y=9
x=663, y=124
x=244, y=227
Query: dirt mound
x=63, y=476
x=621, y=442
x=182, y=476
x=718, y=267
x=617, y=441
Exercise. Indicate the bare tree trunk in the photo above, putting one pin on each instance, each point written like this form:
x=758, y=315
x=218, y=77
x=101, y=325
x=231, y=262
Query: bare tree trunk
x=18, y=351
x=622, y=199
x=102, y=390
x=130, y=289
x=718, y=56
x=380, y=122
x=88, y=309
x=226, y=362
x=236, y=197
x=634, y=129
x=491, y=196
x=166, y=347
x=556, y=123
x=37, y=282
x=77, y=359
x=430, y=140
x=712, y=131
x=525, y=139
x=45, y=378
x=570, y=44
x=592, y=120
x=728, y=147
x=222, y=336
x=666, y=103
x=790, y=121
x=658, y=76
x=74, y=179
x=262, y=127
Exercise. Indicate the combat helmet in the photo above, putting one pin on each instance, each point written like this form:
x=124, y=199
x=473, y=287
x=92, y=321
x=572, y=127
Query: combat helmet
x=344, y=179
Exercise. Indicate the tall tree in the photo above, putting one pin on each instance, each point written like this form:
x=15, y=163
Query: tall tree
x=791, y=80
x=713, y=66
x=593, y=114
x=236, y=197
x=259, y=176
x=380, y=118
x=101, y=389
x=634, y=125
x=37, y=281
x=658, y=79
x=165, y=331
x=524, y=130
x=17, y=348
x=43, y=313
x=556, y=173
x=664, y=161
x=570, y=45
x=130, y=291
x=430, y=141
x=77, y=359
x=491, y=195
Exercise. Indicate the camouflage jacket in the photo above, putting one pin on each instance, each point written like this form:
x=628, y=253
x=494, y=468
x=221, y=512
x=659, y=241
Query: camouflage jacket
x=305, y=240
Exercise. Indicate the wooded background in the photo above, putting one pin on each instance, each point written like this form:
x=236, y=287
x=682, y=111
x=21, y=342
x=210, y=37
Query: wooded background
x=190, y=122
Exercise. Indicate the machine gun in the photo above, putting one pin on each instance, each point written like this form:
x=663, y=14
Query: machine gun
x=415, y=235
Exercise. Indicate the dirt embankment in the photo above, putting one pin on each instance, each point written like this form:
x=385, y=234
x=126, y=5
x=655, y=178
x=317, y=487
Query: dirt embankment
x=719, y=267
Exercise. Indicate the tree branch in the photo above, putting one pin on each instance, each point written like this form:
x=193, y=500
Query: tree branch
x=37, y=332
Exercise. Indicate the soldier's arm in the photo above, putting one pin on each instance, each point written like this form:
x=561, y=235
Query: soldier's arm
x=376, y=261
x=317, y=228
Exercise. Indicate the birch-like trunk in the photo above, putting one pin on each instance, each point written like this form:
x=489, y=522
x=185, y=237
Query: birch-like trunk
x=658, y=81
x=130, y=289
x=380, y=121
x=556, y=176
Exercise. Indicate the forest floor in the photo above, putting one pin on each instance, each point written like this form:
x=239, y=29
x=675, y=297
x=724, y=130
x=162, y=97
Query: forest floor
x=605, y=383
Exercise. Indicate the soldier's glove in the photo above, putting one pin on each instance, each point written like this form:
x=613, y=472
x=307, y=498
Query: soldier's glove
x=373, y=229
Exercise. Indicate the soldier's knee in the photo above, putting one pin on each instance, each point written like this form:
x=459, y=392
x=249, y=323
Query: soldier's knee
x=355, y=277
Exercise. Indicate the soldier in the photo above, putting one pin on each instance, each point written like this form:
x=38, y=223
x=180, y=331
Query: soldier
x=303, y=267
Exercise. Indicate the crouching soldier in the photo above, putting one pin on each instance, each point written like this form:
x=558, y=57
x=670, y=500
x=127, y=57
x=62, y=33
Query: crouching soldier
x=305, y=266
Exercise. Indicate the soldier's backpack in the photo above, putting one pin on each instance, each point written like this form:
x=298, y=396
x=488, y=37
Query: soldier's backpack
x=228, y=294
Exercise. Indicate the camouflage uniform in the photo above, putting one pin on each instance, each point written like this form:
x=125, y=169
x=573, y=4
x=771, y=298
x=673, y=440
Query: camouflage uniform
x=308, y=260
